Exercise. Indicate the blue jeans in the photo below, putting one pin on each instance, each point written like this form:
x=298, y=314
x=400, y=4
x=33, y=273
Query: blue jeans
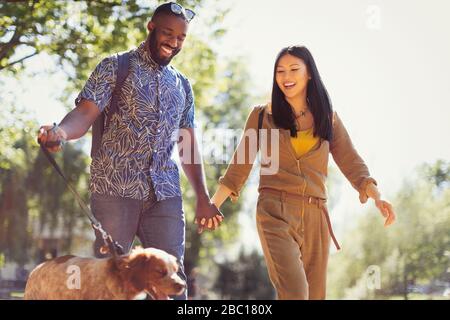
x=157, y=224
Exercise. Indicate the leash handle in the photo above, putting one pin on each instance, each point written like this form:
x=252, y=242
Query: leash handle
x=50, y=144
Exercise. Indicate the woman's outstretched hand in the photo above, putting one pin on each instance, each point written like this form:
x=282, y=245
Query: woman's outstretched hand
x=386, y=210
x=384, y=206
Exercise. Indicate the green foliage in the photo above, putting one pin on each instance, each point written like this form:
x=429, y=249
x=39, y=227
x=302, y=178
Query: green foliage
x=412, y=251
x=76, y=32
x=32, y=195
x=438, y=173
x=16, y=154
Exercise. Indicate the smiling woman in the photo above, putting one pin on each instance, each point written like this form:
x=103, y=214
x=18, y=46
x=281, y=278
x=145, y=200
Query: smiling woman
x=291, y=215
x=296, y=75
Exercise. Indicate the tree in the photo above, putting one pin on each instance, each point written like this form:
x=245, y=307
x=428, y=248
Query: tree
x=76, y=33
x=408, y=253
x=31, y=194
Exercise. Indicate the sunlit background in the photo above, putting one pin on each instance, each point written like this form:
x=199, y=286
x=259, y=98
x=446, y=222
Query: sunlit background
x=386, y=66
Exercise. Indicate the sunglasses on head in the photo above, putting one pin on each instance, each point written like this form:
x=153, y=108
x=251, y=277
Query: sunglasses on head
x=178, y=9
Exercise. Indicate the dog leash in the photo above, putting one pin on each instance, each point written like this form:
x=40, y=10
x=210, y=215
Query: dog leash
x=115, y=248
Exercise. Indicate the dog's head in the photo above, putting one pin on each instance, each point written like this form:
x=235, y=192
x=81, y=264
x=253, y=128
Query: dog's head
x=152, y=270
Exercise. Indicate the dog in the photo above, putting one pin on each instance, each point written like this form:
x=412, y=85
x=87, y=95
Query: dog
x=126, y=277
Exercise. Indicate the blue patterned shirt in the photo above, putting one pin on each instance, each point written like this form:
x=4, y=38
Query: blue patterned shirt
x=136, y=148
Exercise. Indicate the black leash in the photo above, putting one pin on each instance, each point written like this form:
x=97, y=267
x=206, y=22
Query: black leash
x=114, y=247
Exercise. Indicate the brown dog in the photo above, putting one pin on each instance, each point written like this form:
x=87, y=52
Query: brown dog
x=148, y=270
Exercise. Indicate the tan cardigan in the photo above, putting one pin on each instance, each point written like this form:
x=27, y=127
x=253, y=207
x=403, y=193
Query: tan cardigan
x=305, y=175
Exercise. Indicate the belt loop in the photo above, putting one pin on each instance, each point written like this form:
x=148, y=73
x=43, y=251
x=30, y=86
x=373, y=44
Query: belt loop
x=283, y=196
x=319, y=202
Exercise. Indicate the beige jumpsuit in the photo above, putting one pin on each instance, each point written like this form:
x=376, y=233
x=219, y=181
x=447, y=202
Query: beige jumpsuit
x=292, y=216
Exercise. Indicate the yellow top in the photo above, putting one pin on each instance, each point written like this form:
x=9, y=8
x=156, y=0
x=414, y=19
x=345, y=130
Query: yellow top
x=304, y=141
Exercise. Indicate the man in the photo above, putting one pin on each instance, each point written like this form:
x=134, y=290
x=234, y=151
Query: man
x=134, y=185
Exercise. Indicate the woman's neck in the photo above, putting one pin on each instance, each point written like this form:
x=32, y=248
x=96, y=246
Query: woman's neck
x=298, y=103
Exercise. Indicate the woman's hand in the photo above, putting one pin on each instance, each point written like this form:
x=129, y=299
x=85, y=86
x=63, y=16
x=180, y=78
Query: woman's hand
x=207, y=216
x=210, y=216
x=385, y=207
x=386, y=210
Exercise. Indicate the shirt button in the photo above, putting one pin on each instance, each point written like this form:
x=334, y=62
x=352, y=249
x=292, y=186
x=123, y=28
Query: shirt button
x=160, y=111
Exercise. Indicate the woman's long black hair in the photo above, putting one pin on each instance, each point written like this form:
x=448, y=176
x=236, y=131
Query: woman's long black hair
x=317, y=97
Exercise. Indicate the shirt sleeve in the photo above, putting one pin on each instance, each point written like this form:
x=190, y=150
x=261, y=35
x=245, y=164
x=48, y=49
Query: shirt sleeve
x=238, y=171
x=187, y=114
x=100, y=85
x=348, y=160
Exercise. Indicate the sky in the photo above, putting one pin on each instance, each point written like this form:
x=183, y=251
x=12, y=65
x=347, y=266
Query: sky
x=385, y=64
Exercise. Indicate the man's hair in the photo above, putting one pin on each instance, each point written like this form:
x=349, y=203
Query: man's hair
x=165, y=8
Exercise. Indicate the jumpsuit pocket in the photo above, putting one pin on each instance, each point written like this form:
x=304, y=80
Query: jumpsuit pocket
x=270, y=206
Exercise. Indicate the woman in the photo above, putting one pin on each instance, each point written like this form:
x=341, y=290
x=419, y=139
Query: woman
x=292, y=217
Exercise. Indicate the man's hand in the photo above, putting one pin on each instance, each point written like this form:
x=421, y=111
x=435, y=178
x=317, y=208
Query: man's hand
x=207, y=215
x=74, y=125
x=51, y=137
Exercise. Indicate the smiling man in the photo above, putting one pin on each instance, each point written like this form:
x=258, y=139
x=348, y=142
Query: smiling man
x=135, y=185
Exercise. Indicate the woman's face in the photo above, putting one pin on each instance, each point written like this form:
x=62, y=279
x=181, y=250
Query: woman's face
x=291, y=75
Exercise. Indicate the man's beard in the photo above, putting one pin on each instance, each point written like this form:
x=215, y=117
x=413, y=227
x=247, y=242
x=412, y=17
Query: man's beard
x=154, y=52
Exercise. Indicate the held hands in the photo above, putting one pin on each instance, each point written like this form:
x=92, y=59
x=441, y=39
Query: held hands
x=207, y=215
x=52, y=137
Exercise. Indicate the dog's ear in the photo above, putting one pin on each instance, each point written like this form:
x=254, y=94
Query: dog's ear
x=134, y=268
x=157, y=267
x=128, y=262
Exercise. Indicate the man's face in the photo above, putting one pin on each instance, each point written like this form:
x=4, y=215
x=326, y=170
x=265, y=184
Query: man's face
x=167, y=34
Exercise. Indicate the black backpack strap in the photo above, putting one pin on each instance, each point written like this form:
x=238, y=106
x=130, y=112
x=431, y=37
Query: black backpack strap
x=102, y=121
x=260, y=121
x=260, y=118
x=122, y=73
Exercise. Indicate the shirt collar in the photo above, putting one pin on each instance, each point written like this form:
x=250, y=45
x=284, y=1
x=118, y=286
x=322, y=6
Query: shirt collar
x=144, y=54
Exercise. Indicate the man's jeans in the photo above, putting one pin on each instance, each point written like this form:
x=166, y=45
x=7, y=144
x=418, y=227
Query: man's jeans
x=158, y=224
